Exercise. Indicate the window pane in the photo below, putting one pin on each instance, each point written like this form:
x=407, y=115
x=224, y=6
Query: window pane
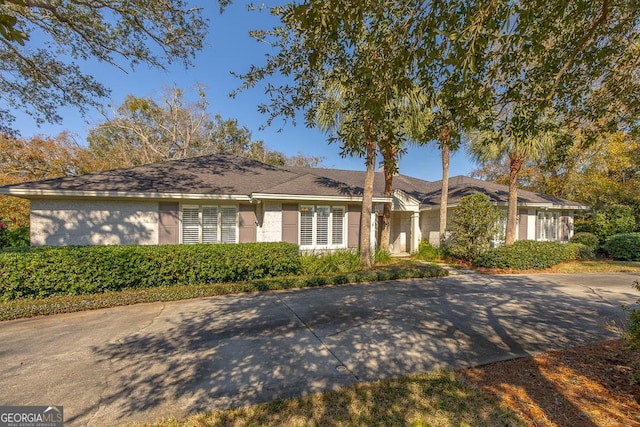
x=190, y=225
x=337, y=226
x=228, y=224
x=306, y=226
x=209, y=224
x=322, y=226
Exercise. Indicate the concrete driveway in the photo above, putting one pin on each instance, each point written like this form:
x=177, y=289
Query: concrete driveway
x=147, y=361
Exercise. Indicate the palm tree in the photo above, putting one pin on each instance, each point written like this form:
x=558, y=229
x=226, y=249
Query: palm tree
x=515, y=146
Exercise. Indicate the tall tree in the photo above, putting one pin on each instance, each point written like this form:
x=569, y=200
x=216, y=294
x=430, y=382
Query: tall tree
x=515, y=147
x=323, y=45
x=148, y=130
x=43, y=45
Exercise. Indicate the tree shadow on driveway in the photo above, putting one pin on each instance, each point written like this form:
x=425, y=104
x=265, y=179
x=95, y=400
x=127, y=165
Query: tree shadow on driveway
x=230, y=351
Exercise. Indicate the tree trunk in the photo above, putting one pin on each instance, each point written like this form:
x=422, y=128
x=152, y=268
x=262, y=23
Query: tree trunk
x=515, y=163
x=444, y=199
x=367, y=204
x=385, y=225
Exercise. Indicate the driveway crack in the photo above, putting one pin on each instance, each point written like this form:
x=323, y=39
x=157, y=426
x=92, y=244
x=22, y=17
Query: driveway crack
x=322, y=343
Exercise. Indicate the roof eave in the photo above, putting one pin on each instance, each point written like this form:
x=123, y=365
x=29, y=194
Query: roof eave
x=30, y=193
x=305, y=197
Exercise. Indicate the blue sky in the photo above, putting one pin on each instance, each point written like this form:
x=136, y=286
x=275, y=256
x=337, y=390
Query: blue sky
x=229, y=48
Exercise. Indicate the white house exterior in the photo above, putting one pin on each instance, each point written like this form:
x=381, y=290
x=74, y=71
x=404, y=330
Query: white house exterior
x=229, y=199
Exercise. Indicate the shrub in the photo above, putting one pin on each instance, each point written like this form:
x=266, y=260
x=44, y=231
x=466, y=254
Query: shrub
x=4, y=235
x=588, y=239
x=624, y=246
x=46, y=271
x=319, y=263
x=18, y=237
x=382, y=256
x=632, y=332
x=616, y=219
x=527, y=254
x=475, y=223
x=426, y=252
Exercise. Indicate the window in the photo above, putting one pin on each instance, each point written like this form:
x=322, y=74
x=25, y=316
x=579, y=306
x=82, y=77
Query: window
x=209, y=224
x=322, y=226
x=548, y=225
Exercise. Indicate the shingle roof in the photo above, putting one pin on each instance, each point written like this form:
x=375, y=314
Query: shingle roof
x=229, y=175
x=460, y=186
x=220, y=174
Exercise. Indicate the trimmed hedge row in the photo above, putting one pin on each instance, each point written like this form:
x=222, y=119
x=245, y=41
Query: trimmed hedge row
x=531, y=255
x=43, y=272
x=20, y=308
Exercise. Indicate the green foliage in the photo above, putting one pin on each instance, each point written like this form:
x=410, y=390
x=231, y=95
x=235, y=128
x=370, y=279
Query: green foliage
x=47, y=271
x=475, y=223
x=18, y=237
x=320, y=263
x=42, y=76
x=632, y=333
x=588, y=239
x=426, y=252
x=625, y=246
x=528, y=254
x=382, y=256
x=27, y=307
x=612, y=220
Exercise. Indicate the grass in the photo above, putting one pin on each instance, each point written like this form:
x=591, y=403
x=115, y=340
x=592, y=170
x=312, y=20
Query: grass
x=21, y=308
x=598, y=266
x=434, y=399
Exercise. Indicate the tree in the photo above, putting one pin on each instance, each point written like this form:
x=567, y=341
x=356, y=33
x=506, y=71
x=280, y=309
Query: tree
x=41, y=73
x=146, y=130
x=475, y=224
x=40, y=157
x=340, y=51
x=517, y=146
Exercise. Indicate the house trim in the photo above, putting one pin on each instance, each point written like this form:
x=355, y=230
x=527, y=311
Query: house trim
x=309, y=198
x=120, y=194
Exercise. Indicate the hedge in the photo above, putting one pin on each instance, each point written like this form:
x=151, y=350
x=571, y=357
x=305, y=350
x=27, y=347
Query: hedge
x=625, y=246
x=20, y=308
x=43, y=272
x=529, y=255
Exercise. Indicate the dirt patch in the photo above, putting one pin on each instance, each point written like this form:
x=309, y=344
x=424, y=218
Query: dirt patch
x=594, y=385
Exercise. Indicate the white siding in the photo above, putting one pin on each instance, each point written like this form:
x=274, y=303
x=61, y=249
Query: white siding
x=93, y=222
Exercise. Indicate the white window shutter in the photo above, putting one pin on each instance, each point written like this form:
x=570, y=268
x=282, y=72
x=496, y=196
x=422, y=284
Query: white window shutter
x=190, y=225
x=322, y=226
x=228, y=224
x=209, y=224
x=337, y=226
x=306, y=226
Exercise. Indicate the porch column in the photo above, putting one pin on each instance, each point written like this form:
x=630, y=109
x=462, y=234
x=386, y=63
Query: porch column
x=416, y=234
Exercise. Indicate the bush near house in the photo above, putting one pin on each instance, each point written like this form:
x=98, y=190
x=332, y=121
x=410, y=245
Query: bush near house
x=475, y=224
x=47, y=271
x=610, y=220
x=625, y=246
x=530, y=255
x=587, y=239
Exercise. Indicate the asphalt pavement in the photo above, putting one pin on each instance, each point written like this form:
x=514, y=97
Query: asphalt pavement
x=139, y=363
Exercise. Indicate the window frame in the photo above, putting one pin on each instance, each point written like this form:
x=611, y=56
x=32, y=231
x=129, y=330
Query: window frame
x=330, y=223
x=219, y=222
x=546, y=221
